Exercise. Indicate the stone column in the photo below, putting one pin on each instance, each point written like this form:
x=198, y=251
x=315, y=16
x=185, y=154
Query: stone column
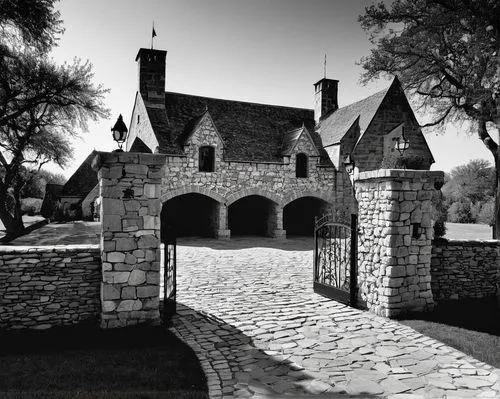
x=129, y=190
x=223, y=233
x=394, y=243
x=275, y=223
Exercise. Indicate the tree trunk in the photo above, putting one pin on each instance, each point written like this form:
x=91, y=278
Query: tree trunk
x=13, y=221
x=496, y=225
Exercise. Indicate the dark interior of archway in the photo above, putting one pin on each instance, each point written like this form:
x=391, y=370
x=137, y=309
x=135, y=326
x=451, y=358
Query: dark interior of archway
x=190, y=215
x=298, y=216
x=252, y=215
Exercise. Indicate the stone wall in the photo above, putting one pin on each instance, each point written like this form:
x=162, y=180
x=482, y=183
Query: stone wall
x=395, y=233
x=130, y=237
x=463, y=269
x=42, y=287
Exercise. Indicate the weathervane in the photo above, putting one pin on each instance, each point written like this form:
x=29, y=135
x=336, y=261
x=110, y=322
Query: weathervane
x=153, y=34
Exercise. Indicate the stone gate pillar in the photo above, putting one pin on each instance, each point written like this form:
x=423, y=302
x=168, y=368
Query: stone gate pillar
x=129, y=190
x=275, y=223
x=394, y=243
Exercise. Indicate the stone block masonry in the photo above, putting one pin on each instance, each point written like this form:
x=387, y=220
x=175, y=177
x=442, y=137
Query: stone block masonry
x=465, y=269
x=130, y=185
x=43, y=287
x=395, y=233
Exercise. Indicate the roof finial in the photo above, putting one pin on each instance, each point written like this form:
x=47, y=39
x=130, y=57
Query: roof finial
x=153, y=34
x=324, y=68
x=206, y=108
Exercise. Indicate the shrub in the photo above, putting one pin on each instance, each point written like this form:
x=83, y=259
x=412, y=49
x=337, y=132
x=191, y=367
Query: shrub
x=487, y=213
x=31, y=206
x=460, y=212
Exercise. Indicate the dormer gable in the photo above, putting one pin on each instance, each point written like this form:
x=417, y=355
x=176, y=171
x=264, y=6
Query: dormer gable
x=201, y=131
x=299, y=141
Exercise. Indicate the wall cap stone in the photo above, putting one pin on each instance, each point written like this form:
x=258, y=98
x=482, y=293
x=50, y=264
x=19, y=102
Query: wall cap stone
x=477, y=242
x=11, y=249
x=382, y=174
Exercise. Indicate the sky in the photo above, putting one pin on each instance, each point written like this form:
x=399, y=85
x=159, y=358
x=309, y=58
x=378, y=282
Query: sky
x=263, y=51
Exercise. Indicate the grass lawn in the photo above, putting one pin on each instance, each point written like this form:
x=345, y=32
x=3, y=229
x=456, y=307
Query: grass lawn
x=471, y=326
x=464, y=231
x=86, y=361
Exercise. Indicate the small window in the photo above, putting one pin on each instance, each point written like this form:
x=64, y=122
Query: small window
x=301, y=161
x=138, y=119
x=207, y=159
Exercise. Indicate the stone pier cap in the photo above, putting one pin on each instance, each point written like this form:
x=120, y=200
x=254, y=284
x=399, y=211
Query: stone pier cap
x=437, y=176
x=102, y=158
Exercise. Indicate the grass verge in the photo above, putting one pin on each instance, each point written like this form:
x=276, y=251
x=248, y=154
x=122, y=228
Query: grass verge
x=85, y=361
x=471, y=326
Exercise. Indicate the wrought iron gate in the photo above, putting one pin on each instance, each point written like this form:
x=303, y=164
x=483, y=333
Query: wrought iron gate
x=169, y=267
x=335, y=258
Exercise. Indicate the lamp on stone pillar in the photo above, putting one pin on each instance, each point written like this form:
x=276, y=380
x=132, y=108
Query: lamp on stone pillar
x=349, y=165
x=402, y=144
x=119, y=131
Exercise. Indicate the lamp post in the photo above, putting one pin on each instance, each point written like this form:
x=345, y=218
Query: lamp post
x=119, y=131
x=402, y=144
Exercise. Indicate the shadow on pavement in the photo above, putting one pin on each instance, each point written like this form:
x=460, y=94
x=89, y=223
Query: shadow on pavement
x=294, y=243
x=234, y=366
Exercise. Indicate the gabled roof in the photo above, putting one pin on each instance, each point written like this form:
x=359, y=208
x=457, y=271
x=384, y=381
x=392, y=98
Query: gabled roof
x=291, y=138
x=195, y=123
x=82, y=181
x=334, y=127
x=250, y=132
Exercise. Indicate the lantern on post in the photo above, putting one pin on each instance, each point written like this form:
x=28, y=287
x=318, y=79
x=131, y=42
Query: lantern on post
x=402, y=144
x=119, y=131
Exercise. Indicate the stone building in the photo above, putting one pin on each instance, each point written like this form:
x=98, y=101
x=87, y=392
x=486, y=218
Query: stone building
x=243, y=168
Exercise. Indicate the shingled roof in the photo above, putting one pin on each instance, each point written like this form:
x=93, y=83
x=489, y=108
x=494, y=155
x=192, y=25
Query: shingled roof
x=82, y=181
x=333, y=128
x=251, y=132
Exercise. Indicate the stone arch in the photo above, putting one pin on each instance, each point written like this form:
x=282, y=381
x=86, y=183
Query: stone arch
x=192, y=189
x=254, y=191
x=301, y=194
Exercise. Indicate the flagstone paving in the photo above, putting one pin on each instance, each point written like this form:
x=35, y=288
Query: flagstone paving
x=260, y=331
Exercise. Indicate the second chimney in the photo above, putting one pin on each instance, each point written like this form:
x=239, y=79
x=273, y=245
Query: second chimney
x=325, y=98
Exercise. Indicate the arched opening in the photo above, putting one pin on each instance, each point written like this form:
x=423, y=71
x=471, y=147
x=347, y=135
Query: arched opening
x=298, y=215
x=301, y=162
x=252, y=215
x=190, y=215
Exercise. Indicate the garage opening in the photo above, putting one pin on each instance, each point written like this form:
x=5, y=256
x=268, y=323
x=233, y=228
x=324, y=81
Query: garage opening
x=191, y=215
x=252, y=215
x=298, y=215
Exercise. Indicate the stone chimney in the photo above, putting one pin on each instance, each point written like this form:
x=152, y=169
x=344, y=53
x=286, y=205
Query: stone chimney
x=151, y=66
x=325, y=97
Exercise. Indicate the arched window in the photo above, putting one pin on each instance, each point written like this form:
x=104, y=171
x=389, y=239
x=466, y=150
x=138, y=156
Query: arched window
x=301, y=161
x=207, y=159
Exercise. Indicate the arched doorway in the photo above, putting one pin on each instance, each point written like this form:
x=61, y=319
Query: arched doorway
x=252, y=215
x=298, y=215
x=191, y=214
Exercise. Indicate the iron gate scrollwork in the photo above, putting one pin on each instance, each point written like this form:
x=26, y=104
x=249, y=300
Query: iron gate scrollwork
x=335, y=258
x=169, y=268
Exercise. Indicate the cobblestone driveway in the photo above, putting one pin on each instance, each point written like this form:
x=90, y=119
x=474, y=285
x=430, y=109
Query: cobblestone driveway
x=248, y=310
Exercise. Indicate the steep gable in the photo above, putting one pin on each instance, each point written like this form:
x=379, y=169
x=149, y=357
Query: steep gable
x=83, y=180
x=299, y=137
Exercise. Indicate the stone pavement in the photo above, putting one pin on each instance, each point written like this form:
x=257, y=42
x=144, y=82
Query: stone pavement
x=260, y=331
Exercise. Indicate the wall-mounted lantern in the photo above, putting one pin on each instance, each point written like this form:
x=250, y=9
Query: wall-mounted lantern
x=402, y=143
x=349, y=165
x=119, y=131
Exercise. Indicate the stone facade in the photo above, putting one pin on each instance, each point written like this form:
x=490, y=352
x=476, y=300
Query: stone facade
x=233, y=180
x=394, y=243
x=463, y=269
x=130, y=207
x=43, y=287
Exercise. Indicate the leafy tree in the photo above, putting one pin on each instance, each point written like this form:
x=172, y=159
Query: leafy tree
x=460, y=212
x=487, y=213
x=35, y=186
x=446, y=54
x=473, y=182
x=41, y=103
